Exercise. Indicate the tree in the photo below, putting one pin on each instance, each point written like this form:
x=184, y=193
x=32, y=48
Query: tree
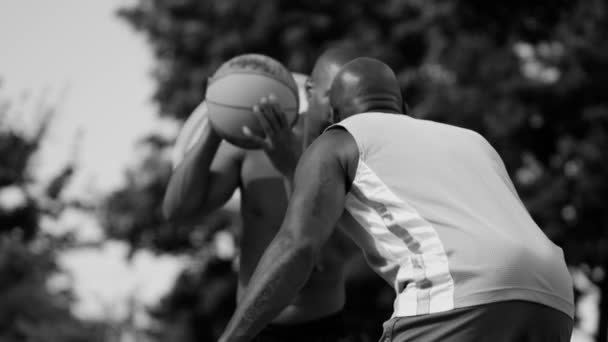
x=528, y=76
x=202, y=299
x=29, y=309
x=133, y=212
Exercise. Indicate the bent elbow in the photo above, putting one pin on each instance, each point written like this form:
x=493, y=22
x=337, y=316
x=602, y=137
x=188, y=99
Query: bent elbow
x=179, y=214
x=173, y=215
x=172, y=210
x=169, y=210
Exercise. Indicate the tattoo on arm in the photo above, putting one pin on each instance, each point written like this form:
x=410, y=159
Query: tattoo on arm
x=316, y=205
x=283, y=270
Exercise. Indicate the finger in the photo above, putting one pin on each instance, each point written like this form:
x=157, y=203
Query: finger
x=273, y=102
x=271, y=118
x=274, y=113
x=272, y=98
x=275, y=116
x=250, y=135
x=280, y=115
x=254, y=139
x=263, y=120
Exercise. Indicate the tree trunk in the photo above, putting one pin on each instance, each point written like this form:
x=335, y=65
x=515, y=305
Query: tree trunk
x=602, y=328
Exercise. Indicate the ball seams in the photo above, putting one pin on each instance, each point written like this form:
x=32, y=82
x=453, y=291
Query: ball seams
x=263, y=74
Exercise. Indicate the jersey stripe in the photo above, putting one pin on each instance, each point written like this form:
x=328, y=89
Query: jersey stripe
x=375, y=254
x=423, y=283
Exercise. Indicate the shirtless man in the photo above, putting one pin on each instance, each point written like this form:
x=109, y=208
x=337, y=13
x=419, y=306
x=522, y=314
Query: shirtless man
x=213, y=169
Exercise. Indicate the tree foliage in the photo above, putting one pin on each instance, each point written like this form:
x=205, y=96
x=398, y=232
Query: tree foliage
x=133, y=212
x=30, y=310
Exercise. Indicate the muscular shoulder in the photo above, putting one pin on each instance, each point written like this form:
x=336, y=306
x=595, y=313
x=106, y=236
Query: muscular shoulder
x=335, y=146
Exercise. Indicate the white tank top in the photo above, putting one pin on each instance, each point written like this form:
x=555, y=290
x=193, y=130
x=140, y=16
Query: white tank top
x=437, y=216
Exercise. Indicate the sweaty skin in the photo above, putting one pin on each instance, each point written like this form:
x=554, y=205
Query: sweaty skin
x=213, y=169
x=322, y=180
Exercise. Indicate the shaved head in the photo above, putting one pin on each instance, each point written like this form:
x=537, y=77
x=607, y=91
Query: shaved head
x=321, y=78
x=365, y=85
x=330, y=63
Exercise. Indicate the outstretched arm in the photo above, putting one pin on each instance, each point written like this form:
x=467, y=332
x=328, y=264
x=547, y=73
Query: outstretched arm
x=314, y=209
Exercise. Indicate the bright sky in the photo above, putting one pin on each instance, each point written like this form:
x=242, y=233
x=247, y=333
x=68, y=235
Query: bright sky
x=105, y=65
x=81, y=44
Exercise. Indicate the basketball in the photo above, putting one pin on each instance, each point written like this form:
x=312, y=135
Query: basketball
x=238, y=85
x=192, y=128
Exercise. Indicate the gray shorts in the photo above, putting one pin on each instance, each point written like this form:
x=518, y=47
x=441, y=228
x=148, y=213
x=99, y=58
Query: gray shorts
x=509, y=321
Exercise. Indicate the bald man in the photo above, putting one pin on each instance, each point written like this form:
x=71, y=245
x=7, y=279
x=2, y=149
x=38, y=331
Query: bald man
x=436, y=215
x=213, y=169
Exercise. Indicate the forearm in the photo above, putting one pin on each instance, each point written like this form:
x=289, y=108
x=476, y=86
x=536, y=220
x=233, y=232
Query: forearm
x=288, y=183
x=289, y=172
x=189, y=182
x=281, y=273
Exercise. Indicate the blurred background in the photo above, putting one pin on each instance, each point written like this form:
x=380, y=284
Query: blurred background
x=92, y=95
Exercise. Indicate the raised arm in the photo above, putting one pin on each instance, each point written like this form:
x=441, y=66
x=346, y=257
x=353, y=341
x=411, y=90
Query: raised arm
x=204, y=180
x=280, y=143
x=321, y=183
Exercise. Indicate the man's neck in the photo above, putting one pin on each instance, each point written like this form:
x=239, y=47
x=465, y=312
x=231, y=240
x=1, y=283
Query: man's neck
x=313, y=131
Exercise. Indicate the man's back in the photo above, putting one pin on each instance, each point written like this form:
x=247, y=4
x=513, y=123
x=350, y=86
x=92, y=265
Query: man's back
x=443, y=221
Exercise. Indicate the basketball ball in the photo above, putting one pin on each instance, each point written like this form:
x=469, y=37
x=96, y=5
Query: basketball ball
x=193, y=127
x=238, y=85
